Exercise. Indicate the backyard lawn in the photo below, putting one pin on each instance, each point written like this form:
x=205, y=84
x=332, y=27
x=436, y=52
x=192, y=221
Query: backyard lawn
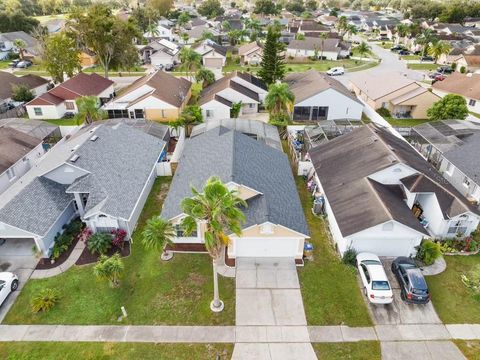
x=362, y=350
x=330, y=292
x=454, y=304
x=63, y=122
x=424, y=66
x=406, y=122
x=153, y=292
x=469, y=348
x=117, y=351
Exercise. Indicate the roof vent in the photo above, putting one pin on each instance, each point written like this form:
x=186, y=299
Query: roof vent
x=74, y=158
x=75, y=148
x=94, y=138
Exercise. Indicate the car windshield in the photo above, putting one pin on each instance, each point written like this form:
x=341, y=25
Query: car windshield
x=371, y=262
x=420, y=291
x=380, y=285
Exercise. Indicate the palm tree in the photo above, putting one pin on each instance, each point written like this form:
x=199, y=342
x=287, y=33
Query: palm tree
x=152, y=30
x=191, y=60
x=279, y=101
x=323, y=37
x=88, y=110
x=342, y=23
x=402, y=30
x=20, y=45
x=425, y=39
x=363, y=49
x=205, y=76
x=158, y=233
x=438, y=49
x=109, y=268
x=215, y=212
x=350, y=30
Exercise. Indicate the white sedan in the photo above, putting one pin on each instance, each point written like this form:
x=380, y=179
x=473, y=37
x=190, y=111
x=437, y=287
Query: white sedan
x=336, y=71
x=8, y=283
x=375, y=282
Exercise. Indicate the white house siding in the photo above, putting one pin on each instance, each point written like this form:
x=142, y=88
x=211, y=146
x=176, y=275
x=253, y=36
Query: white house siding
x=249, y=109
x=21, y=167
x=388, y=239
x=329, y=55
x=161, y=58
x=48, y=111
x=261, y=92
x=472, y=104
x=266, y=247
x=339, y=105
x=46, y=242
x=220, y=111
x=108, y=92
x=457, y=177
x=39, y=90
x=392, y=174
x=433, y=214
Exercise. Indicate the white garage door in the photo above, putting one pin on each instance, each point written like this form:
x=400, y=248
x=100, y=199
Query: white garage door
x=386, y=247
x=275, y=247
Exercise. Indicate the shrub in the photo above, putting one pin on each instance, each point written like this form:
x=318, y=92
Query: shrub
x=428, y=252
x=384, y=112
x=85, y=235
x=463, y=69
x=109, y=268
x=350, y=257
x=44, y=300
x=119, y=236
x=99, y=243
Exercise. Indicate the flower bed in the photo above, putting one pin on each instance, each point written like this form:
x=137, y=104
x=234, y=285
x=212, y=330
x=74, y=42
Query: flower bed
x=87, y=257
x=458, y=246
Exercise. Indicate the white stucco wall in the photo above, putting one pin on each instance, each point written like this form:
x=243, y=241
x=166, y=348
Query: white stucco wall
x=220, y=111
x=48, y=111
x=392, y=174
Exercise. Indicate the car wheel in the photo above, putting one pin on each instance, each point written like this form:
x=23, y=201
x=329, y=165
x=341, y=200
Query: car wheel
x=14, y=285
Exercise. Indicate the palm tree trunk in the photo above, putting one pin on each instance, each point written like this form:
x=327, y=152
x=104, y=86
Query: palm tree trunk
x=216, y=297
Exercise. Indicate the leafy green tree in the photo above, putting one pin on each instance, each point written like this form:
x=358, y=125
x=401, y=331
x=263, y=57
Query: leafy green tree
x=143, y=17
x=190, y=116
x=272, y=67
x=191, y=60
x=311, y=5
x=207, y=35
x=20, y=45
x=88, y=110
x=157, y=233
x=61, y=56
x=265, y=7
x=438, y=49
x=323, y=37
x=111, y=39
x=183, y=19
x=235, y=110
x=161, y=6
x=279, y=102
x=109, y=268
x=205, y=76
x=217, y=211
x=211, y=8
x=22, y=93
x=295, y=6
x=17, y=21
x=152, y=30
x=425, y=39
x=449, y=107
x=342, y=24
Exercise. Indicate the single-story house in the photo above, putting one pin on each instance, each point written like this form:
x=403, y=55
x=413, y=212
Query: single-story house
x=321, y=97
x=403, y=97
x=275, y=223
x=213, y=55
x=302, y=26
x=36, y=84
x=81, y=177
x=452, y=146
x=60, y=100
x=217, y=99
x=466, y=85
x=386, y=197
x=7, y=43
x=161, y=53
x=18, y=153
x=163, y=31
x=157, y=96
x=250, y=54
x=329, y=49
x=466, y=59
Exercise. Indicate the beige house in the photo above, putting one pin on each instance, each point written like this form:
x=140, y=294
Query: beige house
x=403, y=97
x=250, y=53
x=158, y=96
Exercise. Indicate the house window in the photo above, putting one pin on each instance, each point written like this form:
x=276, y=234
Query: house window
x=38, y=111
x=466, y=182
x=69, y=105
x=11, y=174
x=138, y=114
x=301, y=113
x=251, y=106
x=179, y=230
x=472, y=102
x=458, y=227
x=209, y=113
x=266, y=229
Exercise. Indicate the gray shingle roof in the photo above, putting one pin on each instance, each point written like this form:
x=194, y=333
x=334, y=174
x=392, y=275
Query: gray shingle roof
x=119, y=163
x=465, y=157
x=232, y=156
x=37, y=207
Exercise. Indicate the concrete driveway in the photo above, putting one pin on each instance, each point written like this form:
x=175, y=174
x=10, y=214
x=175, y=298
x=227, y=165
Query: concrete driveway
x=399, y=312
x=16, y=256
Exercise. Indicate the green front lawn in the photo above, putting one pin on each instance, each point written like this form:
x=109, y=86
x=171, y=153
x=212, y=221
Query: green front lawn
x=453, y=302
x=406, y=122
x=153, y=292
x=469, y=348
x=4, y=64
x=410, y=57
x=330, y=292
x=117, y=351
x=425, y=66
x=362, y=350
x=386, y=45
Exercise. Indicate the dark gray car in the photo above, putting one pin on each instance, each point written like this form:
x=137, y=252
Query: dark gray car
x=413, y=286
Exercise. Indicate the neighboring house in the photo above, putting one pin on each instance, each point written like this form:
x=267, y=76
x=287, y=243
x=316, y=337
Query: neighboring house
x=18, y=153
x=7, y=43
x=275, y=224
x=452, y=146
x=213, y=55
x=164, y=31
x=312, y=47
x=250, y=54
x=320, y=97
x=60, y=100
x=87, y=58
x=382, y=196
x=467, y=86
x=466, y=59
x=217, y=99
x=328, y=20
x=93, y=175
x=403, y=97
x=196, y=32
x=36, y=84
x=157, y=96
x=302, y=26
x=163, y=53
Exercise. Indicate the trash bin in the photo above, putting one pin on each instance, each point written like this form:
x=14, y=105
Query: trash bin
x=307, y=250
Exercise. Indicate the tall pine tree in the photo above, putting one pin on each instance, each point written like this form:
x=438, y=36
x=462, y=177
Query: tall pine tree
x=272, y=65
